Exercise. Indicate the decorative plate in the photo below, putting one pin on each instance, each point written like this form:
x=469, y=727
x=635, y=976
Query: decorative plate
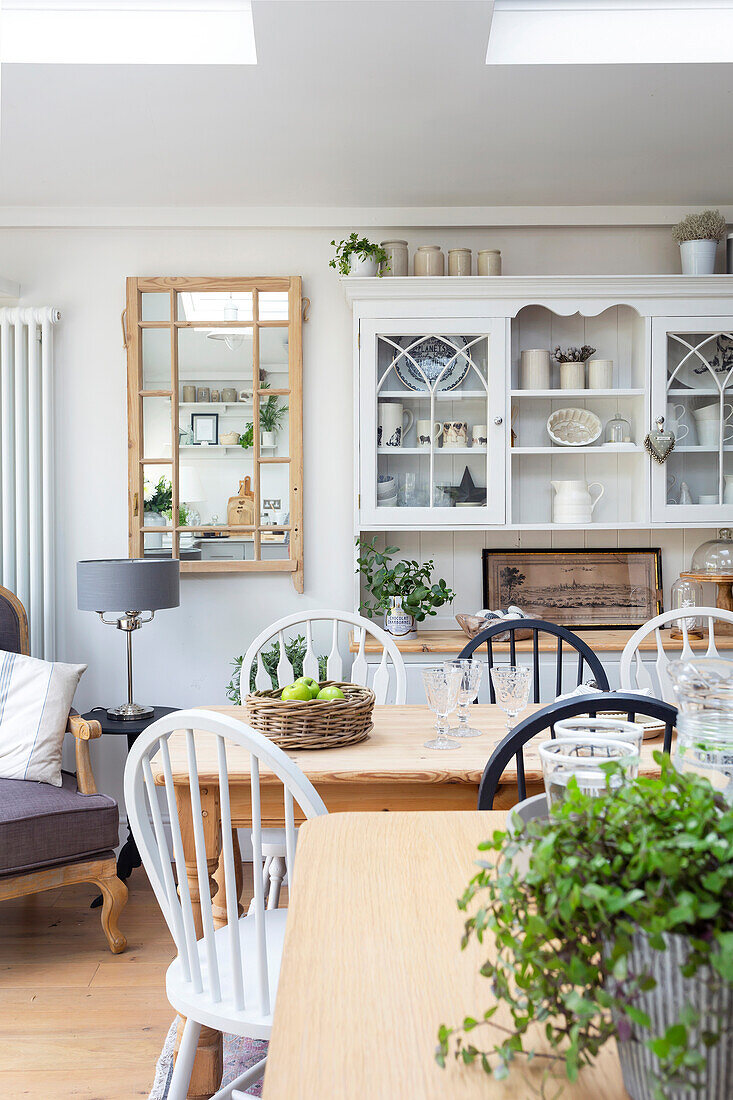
x=573, y=427
x=432, y=353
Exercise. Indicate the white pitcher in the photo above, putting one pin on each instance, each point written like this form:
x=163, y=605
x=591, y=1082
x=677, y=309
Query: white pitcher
x=573, y=502
x=391, y=429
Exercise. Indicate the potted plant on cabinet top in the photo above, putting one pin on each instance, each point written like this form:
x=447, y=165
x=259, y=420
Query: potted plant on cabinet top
x=619, y=925
x=698, y=236
x=403, y=592
x=358, y=256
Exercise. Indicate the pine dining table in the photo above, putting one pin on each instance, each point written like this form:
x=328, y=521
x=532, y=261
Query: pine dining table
x=389, y=771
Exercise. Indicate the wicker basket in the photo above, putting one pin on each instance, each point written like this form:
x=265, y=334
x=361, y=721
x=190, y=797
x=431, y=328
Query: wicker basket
x=314, y=723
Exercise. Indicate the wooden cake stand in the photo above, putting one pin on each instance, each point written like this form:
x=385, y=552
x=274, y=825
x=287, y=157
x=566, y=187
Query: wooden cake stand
x=723, y=595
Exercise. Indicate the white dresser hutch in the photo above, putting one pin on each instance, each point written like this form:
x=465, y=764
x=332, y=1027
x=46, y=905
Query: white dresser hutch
x=671, y=341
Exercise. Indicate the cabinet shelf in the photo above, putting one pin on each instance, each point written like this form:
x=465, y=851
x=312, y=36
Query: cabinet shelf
x=562, y=394
x=214, y=406
x=686, y=391
x=193, y=448
x=444, y=395
x=605, y=448
x=425, y=451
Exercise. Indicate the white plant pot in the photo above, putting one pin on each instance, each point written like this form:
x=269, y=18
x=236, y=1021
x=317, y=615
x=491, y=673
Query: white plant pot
x=363, y=269
x=268, y=439
x=698, y=257
x=153, y=519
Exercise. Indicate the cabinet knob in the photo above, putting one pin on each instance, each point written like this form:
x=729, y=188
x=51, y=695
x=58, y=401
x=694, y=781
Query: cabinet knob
x=498, y=420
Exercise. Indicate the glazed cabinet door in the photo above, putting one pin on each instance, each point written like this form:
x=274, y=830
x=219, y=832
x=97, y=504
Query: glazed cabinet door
x=432, y=422
x=692, y=387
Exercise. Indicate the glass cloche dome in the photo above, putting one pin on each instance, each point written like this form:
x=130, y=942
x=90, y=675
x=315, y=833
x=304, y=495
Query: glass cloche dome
x=715, y=555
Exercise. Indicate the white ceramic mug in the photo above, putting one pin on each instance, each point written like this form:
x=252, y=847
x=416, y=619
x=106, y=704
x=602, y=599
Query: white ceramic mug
x=674, y=421
x=600, y=374
x=427, y=431
x=535, y=370
x=455, y=433
x=391, y=429
x=708, y=433
x=712, y=498
x=479, y=438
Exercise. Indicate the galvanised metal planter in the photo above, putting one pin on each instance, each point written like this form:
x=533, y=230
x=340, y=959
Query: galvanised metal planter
x=712, y=998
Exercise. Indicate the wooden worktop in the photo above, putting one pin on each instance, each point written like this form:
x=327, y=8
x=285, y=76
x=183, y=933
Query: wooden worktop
x=600, y=641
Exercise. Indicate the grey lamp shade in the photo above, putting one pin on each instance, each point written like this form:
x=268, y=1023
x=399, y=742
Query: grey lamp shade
x=127, y=584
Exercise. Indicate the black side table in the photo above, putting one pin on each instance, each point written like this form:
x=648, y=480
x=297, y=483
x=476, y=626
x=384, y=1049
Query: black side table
x=129, y=857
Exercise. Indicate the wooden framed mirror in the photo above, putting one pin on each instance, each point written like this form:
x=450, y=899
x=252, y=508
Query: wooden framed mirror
x=215, y=423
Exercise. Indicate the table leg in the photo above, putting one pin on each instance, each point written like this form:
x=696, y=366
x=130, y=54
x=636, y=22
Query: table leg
x=209, y=1064
x=219, y=906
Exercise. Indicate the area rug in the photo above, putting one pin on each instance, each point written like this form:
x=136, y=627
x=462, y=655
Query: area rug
x=239, y=1055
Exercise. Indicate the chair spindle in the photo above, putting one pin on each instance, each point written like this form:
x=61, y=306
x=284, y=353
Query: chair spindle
x=230, y=877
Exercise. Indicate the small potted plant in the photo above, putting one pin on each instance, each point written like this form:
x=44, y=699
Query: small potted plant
x=698, y=236
x=272, y=414
x=572, y=362
x=619, y=925
x=404, y=592
x=358, y=256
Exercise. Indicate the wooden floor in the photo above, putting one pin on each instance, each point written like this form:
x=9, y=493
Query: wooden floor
x=75, y=1020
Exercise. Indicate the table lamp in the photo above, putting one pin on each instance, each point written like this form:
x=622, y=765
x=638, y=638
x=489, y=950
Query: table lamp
x=137, y=586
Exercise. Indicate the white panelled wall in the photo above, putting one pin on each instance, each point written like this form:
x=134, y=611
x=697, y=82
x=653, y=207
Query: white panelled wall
x=182, y=658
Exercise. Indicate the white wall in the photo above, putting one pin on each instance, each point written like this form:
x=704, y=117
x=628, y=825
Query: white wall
x=183, y=657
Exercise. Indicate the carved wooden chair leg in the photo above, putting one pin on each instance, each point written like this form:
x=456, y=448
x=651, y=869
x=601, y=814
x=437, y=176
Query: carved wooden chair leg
x=114, y=899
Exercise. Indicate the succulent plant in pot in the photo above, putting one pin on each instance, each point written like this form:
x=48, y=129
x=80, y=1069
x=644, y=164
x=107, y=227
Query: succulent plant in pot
x=405, y=592
x=359, y=256
x=619, y=925
x=698, y=236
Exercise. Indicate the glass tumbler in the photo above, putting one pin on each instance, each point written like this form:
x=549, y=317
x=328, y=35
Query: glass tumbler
x=584, y=757
x=609, y=729
x=441, y=689
x=471, y=673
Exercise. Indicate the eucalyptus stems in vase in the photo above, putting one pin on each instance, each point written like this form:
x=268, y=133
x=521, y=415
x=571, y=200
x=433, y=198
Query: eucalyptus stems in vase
x=405, y=592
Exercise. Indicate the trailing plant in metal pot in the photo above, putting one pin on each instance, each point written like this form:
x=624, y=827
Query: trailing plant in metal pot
x=619, y=925
x=698, y=236
x=404, y=592
x=359, y=256
x=294, y=651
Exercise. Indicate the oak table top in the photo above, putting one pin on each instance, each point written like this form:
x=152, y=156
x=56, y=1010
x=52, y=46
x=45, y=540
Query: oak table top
x=604, y=640
x=372, y=965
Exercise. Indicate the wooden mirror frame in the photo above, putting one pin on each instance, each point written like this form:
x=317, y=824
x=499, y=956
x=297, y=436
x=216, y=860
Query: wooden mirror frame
x=133, y=325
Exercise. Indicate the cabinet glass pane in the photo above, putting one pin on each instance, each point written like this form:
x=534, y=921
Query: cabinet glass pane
x=156, y=358
x=432, y=417
x=700, y=413
x=157, y=490
x=156, y=427
x=155, y=306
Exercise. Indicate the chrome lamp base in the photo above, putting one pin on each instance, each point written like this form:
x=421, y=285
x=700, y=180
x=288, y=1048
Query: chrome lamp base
x=130, y=712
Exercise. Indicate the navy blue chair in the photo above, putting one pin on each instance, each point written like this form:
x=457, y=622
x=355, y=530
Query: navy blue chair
x=545, y=719
x=586, y=656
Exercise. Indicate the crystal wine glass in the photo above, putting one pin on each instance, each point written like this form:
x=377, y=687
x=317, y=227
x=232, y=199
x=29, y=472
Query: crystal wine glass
x=441, y=689
x=471, y=673
x=511, y=684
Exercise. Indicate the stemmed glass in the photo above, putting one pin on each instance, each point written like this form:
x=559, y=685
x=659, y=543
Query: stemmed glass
x=511, y=684
x=441, y=689
x=471, y=673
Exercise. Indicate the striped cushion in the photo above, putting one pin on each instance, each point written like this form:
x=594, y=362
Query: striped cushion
x=35, y=700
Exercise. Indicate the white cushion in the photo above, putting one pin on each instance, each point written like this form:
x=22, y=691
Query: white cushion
x=35, y=700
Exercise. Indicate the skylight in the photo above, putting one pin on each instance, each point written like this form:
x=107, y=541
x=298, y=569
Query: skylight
x=127, y=32
x=610, y=32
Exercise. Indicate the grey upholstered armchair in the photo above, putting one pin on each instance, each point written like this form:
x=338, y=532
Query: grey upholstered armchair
x=56, y=836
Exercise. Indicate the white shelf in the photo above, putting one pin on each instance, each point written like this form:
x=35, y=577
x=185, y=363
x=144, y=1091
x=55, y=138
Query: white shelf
x=198, y=449
x=426, y=451
x=444, y=395
x=687, y=391
x=214, y=406
x=562, y=394
x=604, y=448
x=698, y=447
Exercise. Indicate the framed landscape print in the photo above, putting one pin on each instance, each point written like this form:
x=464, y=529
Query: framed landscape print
x=576, y=588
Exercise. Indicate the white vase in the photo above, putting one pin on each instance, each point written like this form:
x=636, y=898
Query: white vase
x=362, y=269
x=573, y=502
x=698, y=257
x=572, y=376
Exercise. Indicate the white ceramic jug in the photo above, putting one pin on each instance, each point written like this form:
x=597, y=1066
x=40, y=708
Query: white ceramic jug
x=573, y=502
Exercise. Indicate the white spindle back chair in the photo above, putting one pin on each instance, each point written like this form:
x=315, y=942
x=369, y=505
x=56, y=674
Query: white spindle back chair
x=281, y=630
x=636, y=674
x=227, y=978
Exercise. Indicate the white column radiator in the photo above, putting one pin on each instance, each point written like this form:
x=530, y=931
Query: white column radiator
x=26, y=467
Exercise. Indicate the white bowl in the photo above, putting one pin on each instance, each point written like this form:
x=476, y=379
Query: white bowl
x=387, y=488
x=573, y=427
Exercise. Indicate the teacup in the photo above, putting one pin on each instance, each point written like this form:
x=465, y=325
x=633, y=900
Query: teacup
x=455, y=433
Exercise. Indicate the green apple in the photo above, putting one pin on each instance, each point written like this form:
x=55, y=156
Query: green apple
x=296, y=691
x=313, y=686
x=331, y=693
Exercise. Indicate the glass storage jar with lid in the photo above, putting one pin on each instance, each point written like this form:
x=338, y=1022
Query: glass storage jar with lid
x=715, y=555
x=618, y=430
x=686, y=593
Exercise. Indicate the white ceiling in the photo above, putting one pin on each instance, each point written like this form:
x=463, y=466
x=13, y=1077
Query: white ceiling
x=369, y=104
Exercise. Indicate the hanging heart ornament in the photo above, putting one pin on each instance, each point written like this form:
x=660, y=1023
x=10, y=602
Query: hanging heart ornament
x=659, y=443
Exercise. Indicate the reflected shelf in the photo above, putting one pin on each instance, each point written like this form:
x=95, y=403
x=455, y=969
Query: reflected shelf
x=604, y=448
x=196, y=448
